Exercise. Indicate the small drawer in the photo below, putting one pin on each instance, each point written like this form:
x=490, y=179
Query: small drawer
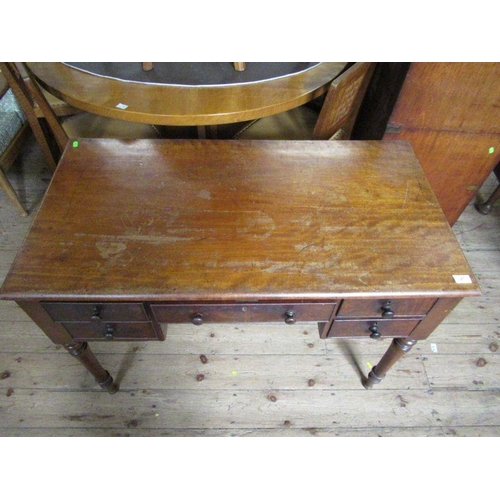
x=240, y=313
x=95, y=311
x=374, y=328
x=384, y=308
x=112, y=331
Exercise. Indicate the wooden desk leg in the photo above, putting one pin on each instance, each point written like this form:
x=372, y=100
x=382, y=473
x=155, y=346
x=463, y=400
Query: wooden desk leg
x=82, y=352
x=397, y=349
x=486, y=207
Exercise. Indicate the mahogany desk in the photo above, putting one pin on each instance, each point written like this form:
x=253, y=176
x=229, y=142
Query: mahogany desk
x=134, y=235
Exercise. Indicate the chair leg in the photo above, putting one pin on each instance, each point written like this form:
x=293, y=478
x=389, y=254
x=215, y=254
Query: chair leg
x=6, y=186
x=486, y=207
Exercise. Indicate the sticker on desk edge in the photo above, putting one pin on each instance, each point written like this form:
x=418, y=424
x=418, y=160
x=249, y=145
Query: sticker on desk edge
x=122, y=106
x=463, y=279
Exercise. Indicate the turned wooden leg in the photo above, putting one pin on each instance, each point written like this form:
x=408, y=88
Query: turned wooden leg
x=82, y=352
x=397, y=349
x=486, y=207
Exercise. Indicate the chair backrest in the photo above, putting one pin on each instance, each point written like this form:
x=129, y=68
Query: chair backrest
x=342, y=102
x=48, y=112
x=29, y=94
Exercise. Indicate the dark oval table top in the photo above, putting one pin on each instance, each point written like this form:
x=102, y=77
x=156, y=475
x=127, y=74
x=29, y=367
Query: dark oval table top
x=187, y=105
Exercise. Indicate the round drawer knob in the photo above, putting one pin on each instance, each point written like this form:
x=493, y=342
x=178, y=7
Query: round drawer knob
x=375, y=334
x=96, y=314
x=387, y=312
x=109, y=334
x=197, y=319
x=290, y=318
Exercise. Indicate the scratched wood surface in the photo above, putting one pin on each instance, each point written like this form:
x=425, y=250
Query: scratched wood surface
x=255, y=380
x=236, y=220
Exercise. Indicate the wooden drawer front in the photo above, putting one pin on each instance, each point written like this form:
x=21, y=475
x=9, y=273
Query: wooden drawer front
x=386, y=328
x=105, y=311
x=235, y=313
x=111, y=331
x=374, y=308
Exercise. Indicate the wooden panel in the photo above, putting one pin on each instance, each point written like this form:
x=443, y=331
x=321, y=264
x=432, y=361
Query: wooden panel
x=477, y=372
x=64, y=311
x=223, y=313
x=182, y=372
x=373, y=308
x=236, y=409
x=117, y=331
x=450, y=112
x=386, y=328
x=450, y=96
x=238, y=220
x=455, y=164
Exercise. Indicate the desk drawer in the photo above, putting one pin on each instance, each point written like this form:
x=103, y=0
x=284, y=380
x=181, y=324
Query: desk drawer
x=95, y=311
x=375, y=308
x=236, y=313
x=111, y=331
x=381, y=328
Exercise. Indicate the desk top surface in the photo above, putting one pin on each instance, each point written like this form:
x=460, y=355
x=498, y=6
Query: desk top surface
x=184, y=105
x=237, y=220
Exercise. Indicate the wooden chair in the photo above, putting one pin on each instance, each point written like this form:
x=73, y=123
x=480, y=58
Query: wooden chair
x=336, y=117
x=13, y=133
x=54, y=132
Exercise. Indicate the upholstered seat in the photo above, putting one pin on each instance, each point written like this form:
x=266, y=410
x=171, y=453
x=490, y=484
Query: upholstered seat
x=12, y=134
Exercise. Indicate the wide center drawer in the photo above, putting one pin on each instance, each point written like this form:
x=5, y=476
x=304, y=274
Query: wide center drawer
x=235, y=313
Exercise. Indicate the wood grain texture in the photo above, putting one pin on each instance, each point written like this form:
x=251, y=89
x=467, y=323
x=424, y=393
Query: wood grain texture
x=236, y=220
x=454, y=406
x=450, y=96
x=181, y=105
x=450, y=112
x=455, y=163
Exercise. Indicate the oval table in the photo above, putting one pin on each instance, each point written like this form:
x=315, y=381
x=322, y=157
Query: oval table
x=199, y=105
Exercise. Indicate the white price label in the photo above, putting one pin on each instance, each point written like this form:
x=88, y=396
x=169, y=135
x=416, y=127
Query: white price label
x=462, y=278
